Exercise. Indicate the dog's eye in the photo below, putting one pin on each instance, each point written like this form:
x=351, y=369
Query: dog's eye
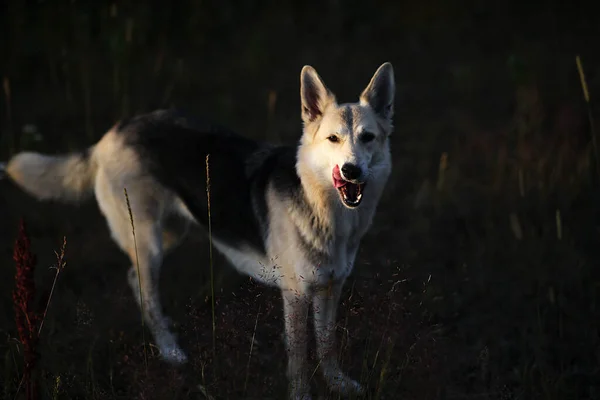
x=367, y=137
x=333, y=138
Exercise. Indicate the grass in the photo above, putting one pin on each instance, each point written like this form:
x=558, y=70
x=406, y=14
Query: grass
x=399, y=347
x=478, y=279
x=210, y=255
x=586, y=97
x=53, y=384
x=250, y=353
x=29, y=321
x=471, y=320
x=139, y=275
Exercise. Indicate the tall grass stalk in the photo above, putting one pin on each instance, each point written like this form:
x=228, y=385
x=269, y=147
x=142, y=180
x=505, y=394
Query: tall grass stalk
x=586, y=96
x=60, y=264
x=384, y=369
x=210, y=255
x=137, y=263
x=251, y=348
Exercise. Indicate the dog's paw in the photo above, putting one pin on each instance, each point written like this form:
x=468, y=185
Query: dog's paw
x=174, y=356
x=169, y=350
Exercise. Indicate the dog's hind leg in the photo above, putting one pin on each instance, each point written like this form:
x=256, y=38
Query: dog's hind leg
x=325, y=303
x=146, y=208
x=147, y=263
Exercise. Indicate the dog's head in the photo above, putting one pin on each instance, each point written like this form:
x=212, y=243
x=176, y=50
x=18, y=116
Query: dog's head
x=346, y=146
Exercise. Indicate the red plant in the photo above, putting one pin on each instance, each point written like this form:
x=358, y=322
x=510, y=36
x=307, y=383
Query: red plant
x=26, y=317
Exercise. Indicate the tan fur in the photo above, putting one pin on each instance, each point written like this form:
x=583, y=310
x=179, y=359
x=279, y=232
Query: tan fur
x=67, y=178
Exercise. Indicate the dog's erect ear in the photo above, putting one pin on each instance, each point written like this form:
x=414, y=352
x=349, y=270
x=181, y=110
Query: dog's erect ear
x=380, y=92
x=314, y=94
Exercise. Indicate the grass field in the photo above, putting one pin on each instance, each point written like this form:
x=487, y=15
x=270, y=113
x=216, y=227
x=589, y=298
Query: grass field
x=479, y=279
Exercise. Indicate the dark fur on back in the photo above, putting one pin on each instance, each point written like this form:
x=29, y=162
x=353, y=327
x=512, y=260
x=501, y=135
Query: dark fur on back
x=174, y=147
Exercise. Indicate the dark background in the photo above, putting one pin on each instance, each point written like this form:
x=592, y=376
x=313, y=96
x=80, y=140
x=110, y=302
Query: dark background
x=479, y=279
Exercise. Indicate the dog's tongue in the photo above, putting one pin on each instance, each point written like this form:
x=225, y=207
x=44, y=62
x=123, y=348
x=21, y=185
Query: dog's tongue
x=338, y=181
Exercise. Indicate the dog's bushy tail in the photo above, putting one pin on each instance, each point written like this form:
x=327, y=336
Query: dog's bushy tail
x=68, y=178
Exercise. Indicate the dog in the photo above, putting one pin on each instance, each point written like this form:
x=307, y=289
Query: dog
x=288, y=216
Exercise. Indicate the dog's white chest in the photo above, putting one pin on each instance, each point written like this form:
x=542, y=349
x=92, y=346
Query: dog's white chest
x=333, y=270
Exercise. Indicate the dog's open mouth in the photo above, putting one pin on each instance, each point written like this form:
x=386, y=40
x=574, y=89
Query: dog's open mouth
x=351, y=193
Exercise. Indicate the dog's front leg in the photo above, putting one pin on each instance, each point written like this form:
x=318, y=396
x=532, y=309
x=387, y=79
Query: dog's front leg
x=325, y=302
x=295, y=312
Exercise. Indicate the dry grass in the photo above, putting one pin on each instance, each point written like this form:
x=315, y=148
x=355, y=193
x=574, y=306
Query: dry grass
x=28, y=320
x=486, y=293
x=478, y=279
x=137, y=265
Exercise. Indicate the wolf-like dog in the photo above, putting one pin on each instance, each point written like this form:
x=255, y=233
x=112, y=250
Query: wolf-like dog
x=288, y=216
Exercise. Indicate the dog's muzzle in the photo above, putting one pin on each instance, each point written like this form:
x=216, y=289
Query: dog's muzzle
x=350, y=190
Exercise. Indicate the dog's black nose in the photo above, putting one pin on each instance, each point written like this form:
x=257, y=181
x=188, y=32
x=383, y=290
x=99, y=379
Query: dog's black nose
x=351, y=171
